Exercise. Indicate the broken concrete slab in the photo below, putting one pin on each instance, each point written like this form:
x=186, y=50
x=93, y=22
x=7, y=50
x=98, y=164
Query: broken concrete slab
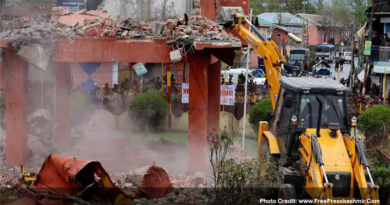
x=175, y=56
x=93, y=30
x=101, y=14
x=35, y=54
x=155, y=184
x=71, y=20
x=41, y=113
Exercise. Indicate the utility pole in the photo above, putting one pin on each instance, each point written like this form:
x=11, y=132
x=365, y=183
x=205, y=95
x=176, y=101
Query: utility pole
x=303, y=25
x=370, y=39
x=352, y=71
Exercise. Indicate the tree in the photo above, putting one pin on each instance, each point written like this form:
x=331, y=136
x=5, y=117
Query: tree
x=257, y=6
x=360, y=6
x=260, y=112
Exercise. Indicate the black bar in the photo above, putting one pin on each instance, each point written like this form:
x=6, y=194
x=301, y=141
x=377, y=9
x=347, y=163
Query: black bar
x=319, y=116
x=316, y=150
x=258, y=34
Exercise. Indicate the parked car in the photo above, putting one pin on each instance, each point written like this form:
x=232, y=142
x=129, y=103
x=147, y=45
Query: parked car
x=348, y=57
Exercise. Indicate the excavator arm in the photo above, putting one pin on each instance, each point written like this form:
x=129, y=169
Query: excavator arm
x=368, y=190
x=273, y=59
x=267, y=49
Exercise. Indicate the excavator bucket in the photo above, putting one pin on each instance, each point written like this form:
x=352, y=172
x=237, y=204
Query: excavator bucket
x=225, y=15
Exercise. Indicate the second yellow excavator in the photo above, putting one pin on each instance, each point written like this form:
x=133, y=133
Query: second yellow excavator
x=310, y=132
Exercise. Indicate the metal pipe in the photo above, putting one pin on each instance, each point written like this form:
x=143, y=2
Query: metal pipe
x=384, y=88
x=369, y=175
x=248, y=55
x=224, y=87
x=324, y=172
x=255, y=30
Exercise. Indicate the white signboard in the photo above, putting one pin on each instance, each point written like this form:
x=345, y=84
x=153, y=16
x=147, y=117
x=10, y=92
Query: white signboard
x=381, y=66
x=229, y=93
x=185, y=93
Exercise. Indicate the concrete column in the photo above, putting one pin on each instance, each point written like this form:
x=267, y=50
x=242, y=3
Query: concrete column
x=214, y=100
x=197, y=128
x=62, y=103
x=208, y=8
x=16, y=109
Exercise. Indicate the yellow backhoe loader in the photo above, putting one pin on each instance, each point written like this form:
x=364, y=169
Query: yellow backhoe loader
x=310, y=132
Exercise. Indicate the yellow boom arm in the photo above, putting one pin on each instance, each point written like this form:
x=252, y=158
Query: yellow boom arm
x=273, y=58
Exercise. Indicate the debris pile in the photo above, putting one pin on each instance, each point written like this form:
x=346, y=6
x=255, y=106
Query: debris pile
x=9, y=177
x=99, y=24
x=153, y=186
x=187, y=189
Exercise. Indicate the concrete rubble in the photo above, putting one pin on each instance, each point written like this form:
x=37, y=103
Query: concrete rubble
x=156, y=185
x=99, y=24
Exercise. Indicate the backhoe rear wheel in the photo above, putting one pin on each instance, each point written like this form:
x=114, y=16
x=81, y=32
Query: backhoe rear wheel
x=266, y=159
x=287, y=194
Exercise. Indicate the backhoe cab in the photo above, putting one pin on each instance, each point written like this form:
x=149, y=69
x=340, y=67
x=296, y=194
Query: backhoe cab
x=310, y=134
x=310, y=130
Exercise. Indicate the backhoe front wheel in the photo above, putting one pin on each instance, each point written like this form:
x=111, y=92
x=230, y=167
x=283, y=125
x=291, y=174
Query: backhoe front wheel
x=287, y=194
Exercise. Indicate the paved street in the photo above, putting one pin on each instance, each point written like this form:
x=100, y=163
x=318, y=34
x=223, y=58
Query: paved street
x=345, y=73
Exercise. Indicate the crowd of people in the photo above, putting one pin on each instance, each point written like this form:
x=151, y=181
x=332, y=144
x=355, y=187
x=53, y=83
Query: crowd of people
x=381, y=40
x=117, y=98
x=114, y=99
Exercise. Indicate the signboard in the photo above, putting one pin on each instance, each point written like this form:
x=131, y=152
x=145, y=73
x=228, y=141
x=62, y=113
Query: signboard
x=381, y=66
x=71, y=5
x=367, y=48
x=179, y=72
x=140, y=69
x=185, y=93
x=229, y=93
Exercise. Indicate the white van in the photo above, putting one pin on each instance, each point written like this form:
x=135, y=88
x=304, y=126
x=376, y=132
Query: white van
x=348, y=57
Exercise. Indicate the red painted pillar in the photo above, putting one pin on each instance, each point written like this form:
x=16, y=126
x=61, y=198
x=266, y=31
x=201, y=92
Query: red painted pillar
x=16, y=110
x=214, y=98
x=208, y=9
x=197, y=127
x=62, y=103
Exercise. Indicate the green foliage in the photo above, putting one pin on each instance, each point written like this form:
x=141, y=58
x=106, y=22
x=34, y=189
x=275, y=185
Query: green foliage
x=374, y=123
x=381, y=176
x=360, y=6
x=236, y=180
x=150, y=108
x=292, y=6
x=259, y=112
x=371, y=120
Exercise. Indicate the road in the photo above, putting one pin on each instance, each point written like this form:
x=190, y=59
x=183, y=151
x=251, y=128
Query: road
x=345, y=73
